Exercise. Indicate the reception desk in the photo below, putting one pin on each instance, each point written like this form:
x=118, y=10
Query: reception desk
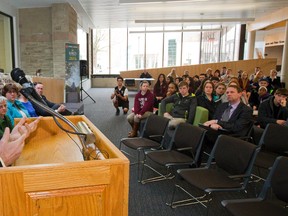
x=51, y=177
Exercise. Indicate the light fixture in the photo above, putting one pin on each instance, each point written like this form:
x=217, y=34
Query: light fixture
x=181, y=30
x=156, y=1
x=221, y=20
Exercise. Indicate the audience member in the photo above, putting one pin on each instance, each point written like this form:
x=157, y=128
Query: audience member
x=274, y=80
x=15, y=109
x=120, y=97
x=209, y=73
x=263, y=95
x=184, y=106
x=226, y=78
x=143, y=107
x=252, y=76
x=160, y=90
x=172, y=74
x=178, y=80
x=233, y=116
x=11, y=144
x=253, y=100
x=223, y=71
x=244, y=82
x=169, y=79
x=146, y=75
x=217, y=73
x=274, y=110
x=207, y=99
x=28, y=105
x=197, y=82
x=191, y=85
x=220, y=90
x=4, y=119
x=199, y=90
x=214, y=80
x=172, y=89
x=60, y=108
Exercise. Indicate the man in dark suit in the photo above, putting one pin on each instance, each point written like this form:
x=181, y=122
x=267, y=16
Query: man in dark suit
x=233, y=116
x=60, y=108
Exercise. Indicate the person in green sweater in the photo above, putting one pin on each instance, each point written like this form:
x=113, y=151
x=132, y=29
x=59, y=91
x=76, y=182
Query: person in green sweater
x=4, y=119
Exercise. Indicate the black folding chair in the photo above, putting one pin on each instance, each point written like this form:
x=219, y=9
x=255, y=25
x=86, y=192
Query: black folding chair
x=231, y=170
x=274, y=143
x=151, y=137
x=277, y=180
x=184, y=149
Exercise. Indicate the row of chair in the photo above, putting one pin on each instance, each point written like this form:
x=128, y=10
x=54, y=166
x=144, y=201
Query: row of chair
x=229, y=166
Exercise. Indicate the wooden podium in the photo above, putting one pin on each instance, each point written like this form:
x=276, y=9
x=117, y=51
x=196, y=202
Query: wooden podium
x=51, y=177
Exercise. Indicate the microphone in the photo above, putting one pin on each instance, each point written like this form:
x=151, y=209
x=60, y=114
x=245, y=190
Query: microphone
x=30, y=93
x=18, y=76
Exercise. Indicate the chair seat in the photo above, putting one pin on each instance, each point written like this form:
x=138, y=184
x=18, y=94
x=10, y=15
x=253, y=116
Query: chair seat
x=204, y=178
x=165, y=157
x=140, y=143
x=263, y=208
x=265, y=159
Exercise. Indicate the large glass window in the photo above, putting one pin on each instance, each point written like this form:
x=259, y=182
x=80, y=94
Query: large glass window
x=172, y=46
x=191, y=46
x=101, y=51
x=210, y=44
x=6, y=49
x=121, y=49
x=154, y=48
x=118, y=50
x=136, y=49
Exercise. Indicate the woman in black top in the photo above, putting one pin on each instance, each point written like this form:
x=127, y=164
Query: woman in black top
x=207, y=99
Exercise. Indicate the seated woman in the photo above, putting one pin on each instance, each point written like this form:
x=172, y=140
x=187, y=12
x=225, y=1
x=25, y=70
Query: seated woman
x=207, y=99
x=28, y=105
x=160, y=89
x=14, y=106
x=172, y=89
x=4, y=119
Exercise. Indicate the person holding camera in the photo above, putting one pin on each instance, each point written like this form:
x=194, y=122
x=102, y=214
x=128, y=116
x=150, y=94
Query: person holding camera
x=120, y=97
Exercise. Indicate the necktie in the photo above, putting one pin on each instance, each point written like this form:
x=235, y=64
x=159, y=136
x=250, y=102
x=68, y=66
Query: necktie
x=226, y=114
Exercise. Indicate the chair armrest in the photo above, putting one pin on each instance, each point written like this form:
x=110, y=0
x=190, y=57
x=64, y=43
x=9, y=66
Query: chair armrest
x=156, y=136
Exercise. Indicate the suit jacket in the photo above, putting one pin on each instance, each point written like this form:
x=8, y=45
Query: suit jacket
x=41, y=112
x=239, y=122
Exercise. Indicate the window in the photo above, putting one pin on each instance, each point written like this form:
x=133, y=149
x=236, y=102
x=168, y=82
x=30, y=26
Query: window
x=191, y=46
x=6, y=47
x=118, y=50
x=154, y=48
x=136, y=49
x=101, y=51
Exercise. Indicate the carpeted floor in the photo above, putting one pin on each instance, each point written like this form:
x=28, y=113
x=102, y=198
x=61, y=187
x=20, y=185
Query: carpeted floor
x=148, y=199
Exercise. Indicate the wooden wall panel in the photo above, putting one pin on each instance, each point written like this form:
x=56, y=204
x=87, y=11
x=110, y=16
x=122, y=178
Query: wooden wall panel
x=53, y=88
x=246, y=65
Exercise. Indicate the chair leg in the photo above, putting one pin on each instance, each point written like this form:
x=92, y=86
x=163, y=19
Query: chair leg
x=160, y=176
x=193, y=200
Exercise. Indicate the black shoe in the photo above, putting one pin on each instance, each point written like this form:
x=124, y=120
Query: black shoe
x=117, y=112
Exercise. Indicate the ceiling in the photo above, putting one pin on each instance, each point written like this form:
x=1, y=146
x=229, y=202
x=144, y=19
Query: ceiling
x=111, y=13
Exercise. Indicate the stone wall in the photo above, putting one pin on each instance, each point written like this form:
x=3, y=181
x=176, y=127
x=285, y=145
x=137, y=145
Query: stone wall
x=43, y=34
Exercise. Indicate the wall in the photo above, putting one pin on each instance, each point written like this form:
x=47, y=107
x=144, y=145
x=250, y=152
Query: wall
x=246, y=65
x=43, y=34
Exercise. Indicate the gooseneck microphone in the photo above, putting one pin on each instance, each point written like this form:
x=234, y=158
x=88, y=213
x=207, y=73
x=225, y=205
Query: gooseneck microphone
x=30, y=93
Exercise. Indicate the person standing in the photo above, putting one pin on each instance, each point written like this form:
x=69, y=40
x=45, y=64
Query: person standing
x=120, y=97
x=143, y=107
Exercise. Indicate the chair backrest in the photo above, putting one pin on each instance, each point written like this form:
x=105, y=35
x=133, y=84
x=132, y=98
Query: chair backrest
x=155, y=125
x=274, y=138
x=234, y=155
x=187, y=135
x=277, y=180
x=169, y=107
x=201, y=115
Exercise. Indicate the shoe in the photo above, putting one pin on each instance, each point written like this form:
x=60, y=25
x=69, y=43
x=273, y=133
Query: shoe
x=117, y=112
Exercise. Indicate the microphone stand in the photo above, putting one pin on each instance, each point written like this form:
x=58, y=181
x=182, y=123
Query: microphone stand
x=86, y=151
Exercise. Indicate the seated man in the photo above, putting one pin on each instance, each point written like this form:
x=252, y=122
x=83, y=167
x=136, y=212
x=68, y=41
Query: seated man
x=274, y=110
x=233, y=116
x=120, y=96
x=60, y=108
x=184, y=106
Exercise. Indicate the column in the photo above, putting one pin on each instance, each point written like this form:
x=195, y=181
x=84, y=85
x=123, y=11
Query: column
x=284, y=67
x=251, y=44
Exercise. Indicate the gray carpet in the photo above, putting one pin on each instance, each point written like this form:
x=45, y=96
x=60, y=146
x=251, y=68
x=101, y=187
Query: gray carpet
x=149, y=199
